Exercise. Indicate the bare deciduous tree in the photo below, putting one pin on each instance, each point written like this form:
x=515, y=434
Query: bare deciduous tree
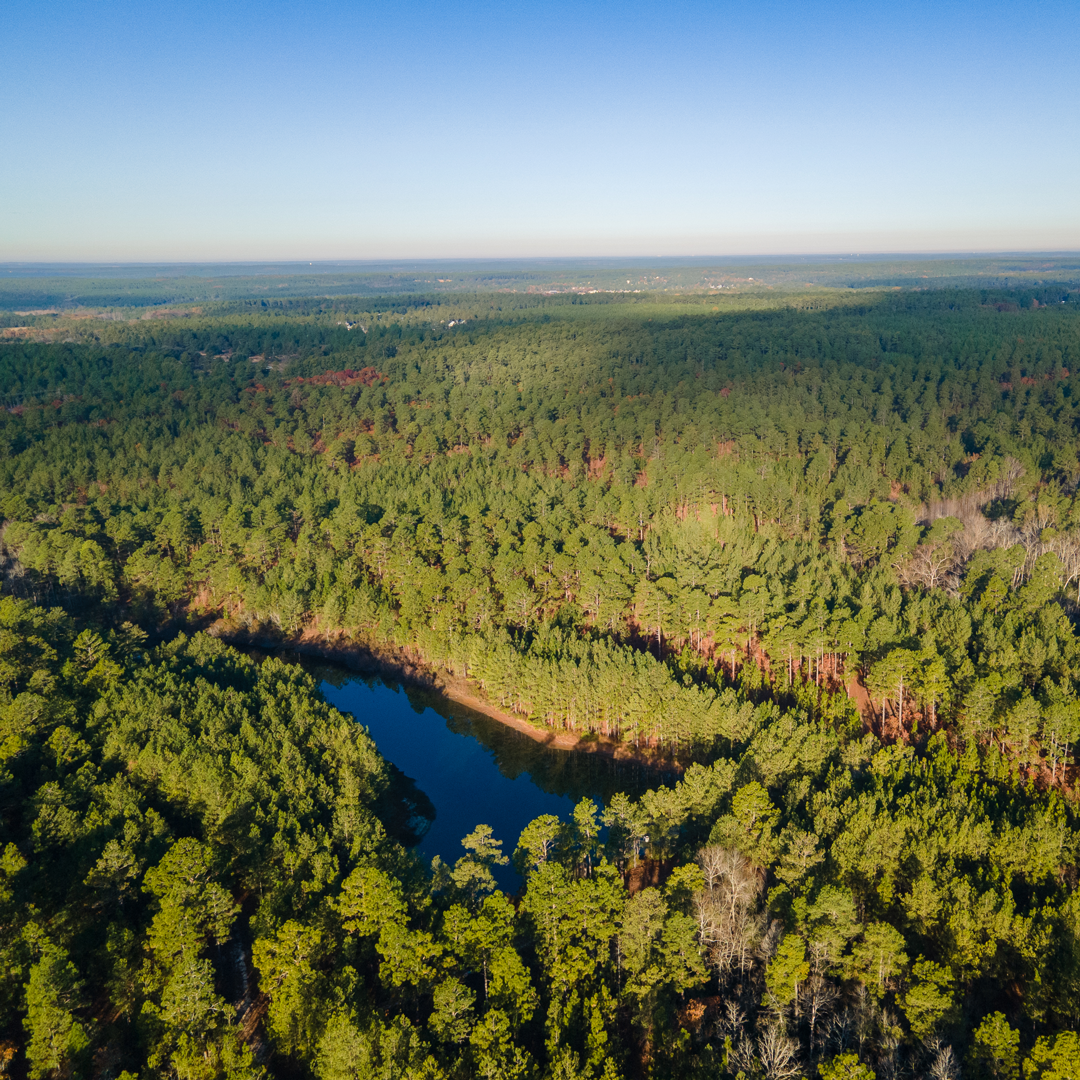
x=733, y=1020
x=744, y=1057
x=729, y=926
x=779, y=1055
x=841, y=1030
x=945, y=1066
x=820, y=996
x=730, y=875
x=929, y=565
x=1067, y=548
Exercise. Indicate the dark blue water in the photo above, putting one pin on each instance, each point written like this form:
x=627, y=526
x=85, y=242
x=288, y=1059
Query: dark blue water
x=474, y=769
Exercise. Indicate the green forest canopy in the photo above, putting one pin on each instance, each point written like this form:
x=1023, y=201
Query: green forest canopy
x=690, y=522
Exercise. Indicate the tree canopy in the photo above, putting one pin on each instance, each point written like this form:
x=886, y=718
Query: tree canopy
x=821, y=551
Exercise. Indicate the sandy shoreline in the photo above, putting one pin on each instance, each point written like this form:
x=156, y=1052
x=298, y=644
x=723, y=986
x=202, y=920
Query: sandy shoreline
x=459, y=692
x=402, y=666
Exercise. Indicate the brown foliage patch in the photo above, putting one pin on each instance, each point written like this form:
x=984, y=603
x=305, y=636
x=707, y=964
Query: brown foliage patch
x=368, y=376
x=596, y=467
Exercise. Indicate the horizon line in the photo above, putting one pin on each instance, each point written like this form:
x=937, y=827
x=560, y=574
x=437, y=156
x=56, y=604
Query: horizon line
x=884, y=255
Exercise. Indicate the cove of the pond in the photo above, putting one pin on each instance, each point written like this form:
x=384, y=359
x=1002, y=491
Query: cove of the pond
x=474, y=769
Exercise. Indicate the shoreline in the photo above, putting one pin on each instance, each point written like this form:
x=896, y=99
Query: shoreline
x=400, y=665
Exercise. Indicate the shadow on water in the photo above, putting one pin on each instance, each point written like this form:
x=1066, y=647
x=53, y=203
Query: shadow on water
x=405, y=811
x=460, y=768
x=573, y=773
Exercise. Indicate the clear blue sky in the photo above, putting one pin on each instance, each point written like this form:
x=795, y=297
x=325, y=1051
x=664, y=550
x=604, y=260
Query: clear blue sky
x=185, y=130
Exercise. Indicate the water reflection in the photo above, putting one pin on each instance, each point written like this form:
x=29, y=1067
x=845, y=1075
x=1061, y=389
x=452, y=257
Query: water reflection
x=473, y=769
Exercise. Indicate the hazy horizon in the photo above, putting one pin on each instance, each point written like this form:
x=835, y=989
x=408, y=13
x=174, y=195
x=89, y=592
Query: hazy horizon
x=618, y=253
x=637, y=260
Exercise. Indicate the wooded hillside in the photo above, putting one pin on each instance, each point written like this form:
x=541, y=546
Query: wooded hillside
x=821, y=549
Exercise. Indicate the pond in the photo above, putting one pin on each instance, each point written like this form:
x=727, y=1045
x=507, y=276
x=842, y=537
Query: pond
x=473, y=769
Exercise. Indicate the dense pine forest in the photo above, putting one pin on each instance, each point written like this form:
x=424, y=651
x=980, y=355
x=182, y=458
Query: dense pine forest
x=817, y=550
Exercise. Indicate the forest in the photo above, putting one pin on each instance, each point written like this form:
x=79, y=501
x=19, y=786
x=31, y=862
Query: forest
x=817, y=550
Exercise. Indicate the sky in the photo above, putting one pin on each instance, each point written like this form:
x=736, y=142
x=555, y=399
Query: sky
x=147, y=131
